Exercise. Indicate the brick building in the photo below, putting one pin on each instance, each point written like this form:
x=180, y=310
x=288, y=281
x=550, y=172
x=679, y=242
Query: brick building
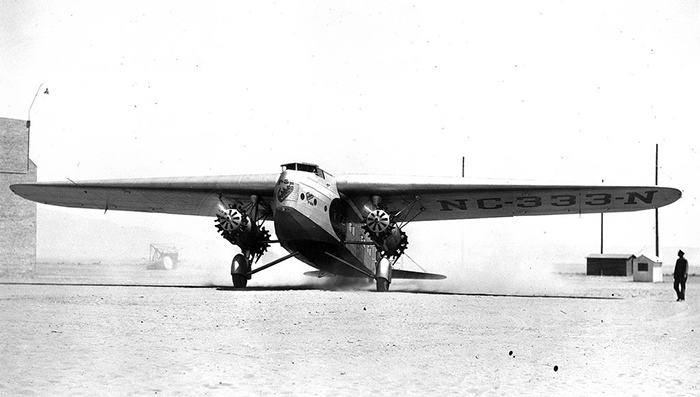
x=17, y=215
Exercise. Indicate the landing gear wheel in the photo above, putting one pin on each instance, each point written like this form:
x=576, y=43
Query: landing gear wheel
x=239, y=280
x=382, y=284
x=383, y=275
x=239, y=271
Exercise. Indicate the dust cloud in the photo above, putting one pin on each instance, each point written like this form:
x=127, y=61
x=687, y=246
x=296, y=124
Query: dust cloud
x=493, y=274
x=491, y=256
x=116, y=248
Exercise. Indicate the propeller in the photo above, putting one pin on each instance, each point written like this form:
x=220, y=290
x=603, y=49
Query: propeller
x=378, y=221
x=230, y=220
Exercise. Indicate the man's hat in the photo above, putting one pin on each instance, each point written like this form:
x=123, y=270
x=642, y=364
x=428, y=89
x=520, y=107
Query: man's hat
x=680, y=253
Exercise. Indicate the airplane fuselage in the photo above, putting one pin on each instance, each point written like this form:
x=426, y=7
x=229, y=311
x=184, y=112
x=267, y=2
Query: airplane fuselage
x=312, y=219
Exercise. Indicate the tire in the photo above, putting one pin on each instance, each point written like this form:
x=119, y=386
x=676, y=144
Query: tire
x=239, y=268
x=239, y=280
x=382, y=284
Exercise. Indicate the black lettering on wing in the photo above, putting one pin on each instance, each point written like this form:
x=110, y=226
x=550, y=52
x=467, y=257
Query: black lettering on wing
x=563, y=200
x=647, y=198
x=446, y=205
x=598, y=198
x=489, y=203
x=529, y=201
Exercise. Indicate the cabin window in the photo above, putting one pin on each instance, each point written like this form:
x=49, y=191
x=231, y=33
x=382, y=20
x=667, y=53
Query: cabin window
x=643, y=267
x=305, y=168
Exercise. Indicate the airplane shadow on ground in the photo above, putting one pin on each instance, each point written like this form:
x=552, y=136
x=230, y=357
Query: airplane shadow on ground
x=67, y=284
x=420, y=292
x=504, y=295
x=316, y=288
x=203, y=286
x=275, y=288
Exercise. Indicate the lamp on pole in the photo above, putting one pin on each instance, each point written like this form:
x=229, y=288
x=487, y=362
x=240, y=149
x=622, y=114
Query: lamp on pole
x=29, y=112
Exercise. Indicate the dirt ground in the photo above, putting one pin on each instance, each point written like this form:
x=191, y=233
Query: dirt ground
x=595, y=336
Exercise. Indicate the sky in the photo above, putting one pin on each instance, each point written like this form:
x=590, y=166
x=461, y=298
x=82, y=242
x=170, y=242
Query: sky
x=542, y=91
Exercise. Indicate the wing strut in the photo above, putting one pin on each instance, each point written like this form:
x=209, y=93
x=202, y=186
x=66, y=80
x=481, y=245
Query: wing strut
x=273, y=263
x=408, y=211
x=366, y=273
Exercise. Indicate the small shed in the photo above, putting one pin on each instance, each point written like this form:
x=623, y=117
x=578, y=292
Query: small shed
x=647, y=269
x=609, y=264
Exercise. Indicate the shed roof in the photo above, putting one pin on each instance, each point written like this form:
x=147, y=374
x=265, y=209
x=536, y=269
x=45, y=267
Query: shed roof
x=611, y=256
x=652, y=258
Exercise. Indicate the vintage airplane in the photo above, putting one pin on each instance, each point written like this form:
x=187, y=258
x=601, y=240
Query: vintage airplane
x=348, y=226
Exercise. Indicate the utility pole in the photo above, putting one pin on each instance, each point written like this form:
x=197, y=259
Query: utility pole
x=656, y=210
x=601, y=232
x=601, y=227
x=462, y=229
x=29, y=122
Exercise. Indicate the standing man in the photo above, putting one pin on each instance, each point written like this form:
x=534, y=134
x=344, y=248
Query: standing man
x=680, y=275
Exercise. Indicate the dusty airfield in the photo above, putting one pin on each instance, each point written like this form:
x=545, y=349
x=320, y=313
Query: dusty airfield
x=591, y=336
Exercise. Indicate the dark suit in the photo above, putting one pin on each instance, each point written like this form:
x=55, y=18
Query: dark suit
x=680, y=275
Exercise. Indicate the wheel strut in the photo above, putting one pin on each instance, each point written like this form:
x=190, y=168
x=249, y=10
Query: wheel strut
x=241, y=272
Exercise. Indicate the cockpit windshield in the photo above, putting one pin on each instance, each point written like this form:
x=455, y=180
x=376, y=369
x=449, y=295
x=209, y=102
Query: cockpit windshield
x=305, y=167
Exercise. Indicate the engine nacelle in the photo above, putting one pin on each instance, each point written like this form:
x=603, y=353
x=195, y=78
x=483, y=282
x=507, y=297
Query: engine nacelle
x=393, y=243
x=389, y=239
x=237, y=227
x=378, y=221
x=232, y=220
x=392, y=240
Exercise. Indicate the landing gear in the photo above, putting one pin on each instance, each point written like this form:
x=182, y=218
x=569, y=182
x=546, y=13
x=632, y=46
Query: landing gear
x=382, y=284
x=239, y=281
x=383, y=274
x=240, y=267
x=387, y=234
x=242, y=226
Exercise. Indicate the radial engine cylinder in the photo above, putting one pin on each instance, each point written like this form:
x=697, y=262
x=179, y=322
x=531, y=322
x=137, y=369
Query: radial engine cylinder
x=232, y=220
x=392, y=241
x=236, y=227
x=378, y=221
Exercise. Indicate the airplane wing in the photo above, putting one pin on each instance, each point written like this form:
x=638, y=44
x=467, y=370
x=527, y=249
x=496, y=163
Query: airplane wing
x=183, y=195
x=430, y=199
x=418, y=198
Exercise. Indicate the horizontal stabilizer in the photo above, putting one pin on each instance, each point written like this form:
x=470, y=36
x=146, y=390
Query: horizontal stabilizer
x=409, y=275
x=317, y=274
